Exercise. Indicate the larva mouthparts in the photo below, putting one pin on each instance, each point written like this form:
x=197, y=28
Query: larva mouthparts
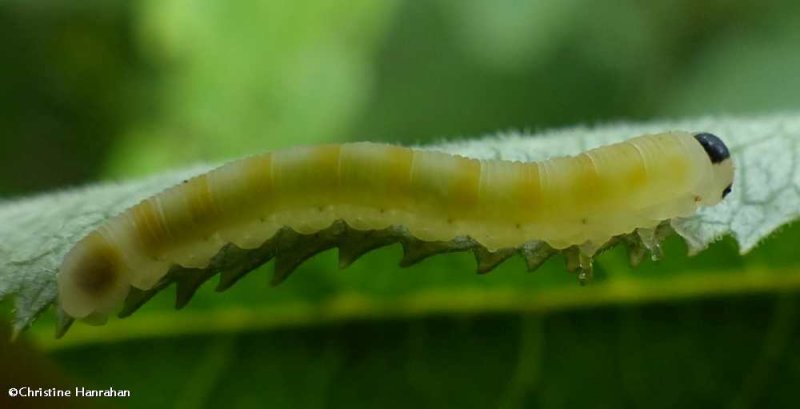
x=290, y=249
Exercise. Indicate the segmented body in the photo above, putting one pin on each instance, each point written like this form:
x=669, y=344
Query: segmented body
x=582, y=201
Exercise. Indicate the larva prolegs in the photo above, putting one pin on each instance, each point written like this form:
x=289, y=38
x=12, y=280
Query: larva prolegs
x=415, y=250
x=136, y=298
x=294, y=248
x=585, y=269
x=536, y=253
x=188, y=281
x=487, y=260
x=63, y=322
x=636, y=250
x=233, y=262
x=238, y=262
x=571, y=259
x=359, y=242
x=650, y=242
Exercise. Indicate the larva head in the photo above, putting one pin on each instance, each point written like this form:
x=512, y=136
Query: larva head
x=91, y=282
x=721, y=165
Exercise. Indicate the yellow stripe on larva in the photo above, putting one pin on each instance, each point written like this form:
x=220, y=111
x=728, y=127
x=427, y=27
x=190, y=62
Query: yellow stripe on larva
x=151, y=232
x=200, y=201
x=581, y=201
x=463, y=194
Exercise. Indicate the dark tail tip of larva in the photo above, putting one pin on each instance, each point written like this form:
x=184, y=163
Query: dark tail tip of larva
x=714, y=147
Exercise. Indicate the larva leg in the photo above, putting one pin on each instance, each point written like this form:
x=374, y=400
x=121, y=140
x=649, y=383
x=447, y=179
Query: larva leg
x=188, y=281
x=63, y=322
x=571, y=259
x=585, y=271
x=636, y=250
x=231, y=261
x=488, y=260
x=356, y=243
x=645, y=240
x=652, y=238
x=137, y=297
x=294, y=248
x=291, y=248
x=579, y=260
x=415, y=250
x=648, y=238
x=237, y=262
x=536, y=253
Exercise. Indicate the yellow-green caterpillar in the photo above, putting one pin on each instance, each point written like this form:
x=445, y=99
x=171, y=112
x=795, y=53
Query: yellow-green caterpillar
x=294, y=203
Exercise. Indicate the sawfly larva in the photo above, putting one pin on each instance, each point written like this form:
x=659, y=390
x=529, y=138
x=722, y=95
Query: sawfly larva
x=292, y=204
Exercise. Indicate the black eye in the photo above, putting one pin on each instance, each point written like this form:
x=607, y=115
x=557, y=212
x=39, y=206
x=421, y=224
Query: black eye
x=726, y=191
x=714, y=147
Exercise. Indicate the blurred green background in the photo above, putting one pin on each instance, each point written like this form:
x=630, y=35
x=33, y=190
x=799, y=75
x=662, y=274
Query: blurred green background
x=98, y=90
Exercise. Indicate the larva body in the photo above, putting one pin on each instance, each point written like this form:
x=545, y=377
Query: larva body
x=338, y=194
